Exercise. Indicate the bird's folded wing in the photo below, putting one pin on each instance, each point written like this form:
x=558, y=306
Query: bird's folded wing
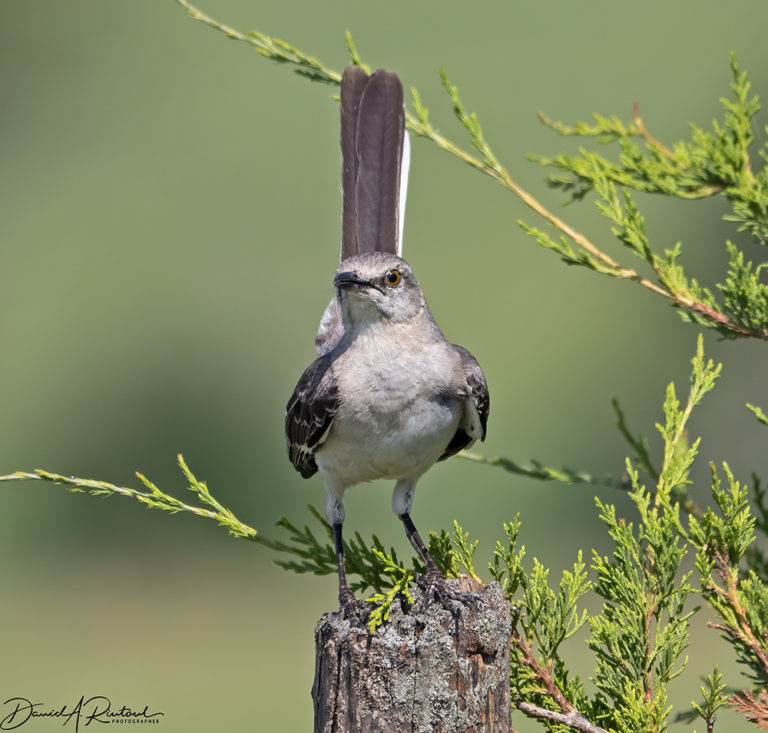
x=309, y=414
x=476, y=406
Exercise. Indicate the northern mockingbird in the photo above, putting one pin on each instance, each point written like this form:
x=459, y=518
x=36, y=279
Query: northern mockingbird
x=388, y=395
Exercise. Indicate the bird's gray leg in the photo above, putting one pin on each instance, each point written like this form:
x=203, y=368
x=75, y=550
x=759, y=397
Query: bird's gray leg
x=402, y=499
x=433, y=572
x=334, y=512
x=437, y=586
x=346, y=597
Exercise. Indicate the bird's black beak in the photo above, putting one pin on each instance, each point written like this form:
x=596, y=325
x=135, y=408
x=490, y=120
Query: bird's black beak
x=351, y=280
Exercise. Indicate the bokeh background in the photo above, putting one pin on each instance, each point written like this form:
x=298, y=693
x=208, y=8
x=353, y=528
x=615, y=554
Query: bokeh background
x=169, y=226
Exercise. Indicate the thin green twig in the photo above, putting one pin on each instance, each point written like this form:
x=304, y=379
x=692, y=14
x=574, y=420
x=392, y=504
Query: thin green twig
x=154, y=498
x=541, y=472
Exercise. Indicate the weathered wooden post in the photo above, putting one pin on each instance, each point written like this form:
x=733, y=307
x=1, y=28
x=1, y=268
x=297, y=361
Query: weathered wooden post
x=425, y=670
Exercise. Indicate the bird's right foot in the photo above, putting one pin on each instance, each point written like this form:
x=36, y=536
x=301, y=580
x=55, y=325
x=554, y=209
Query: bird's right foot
x=439, y=589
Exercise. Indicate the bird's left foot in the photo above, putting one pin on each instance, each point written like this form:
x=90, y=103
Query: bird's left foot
x=351, y=609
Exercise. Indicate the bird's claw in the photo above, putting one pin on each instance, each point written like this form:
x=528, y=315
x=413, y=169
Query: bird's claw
x=439, y=590
x=351, y=609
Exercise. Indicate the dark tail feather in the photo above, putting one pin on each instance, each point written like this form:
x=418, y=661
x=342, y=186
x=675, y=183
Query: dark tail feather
x=372, y=130
x=353, y=82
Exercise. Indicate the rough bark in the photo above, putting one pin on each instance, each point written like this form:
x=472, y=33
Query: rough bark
x=425, y=670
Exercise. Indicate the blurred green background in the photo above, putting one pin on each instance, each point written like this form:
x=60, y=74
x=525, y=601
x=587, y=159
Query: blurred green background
x=169, y=220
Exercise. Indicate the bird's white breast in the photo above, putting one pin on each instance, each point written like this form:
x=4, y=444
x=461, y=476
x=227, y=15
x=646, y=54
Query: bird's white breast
x=397, y=412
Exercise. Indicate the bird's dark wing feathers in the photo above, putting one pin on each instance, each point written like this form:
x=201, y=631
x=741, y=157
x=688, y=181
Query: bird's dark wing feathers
x=477, y=392
x=309, y=414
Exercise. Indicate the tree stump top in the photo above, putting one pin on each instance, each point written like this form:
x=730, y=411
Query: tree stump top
x=423, y=670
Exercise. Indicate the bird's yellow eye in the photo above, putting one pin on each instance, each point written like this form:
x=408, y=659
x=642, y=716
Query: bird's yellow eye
x=393, y=278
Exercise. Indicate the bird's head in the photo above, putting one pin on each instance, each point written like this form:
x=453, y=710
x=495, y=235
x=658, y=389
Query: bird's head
x=376, y=286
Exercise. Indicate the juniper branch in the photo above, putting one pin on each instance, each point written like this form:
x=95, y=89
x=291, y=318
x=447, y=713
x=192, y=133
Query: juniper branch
x=759, y=414
x=574, y=719
x=753, y=706
x=153, y=498
x=739, y=598
x=568, y=715
x=678, y=454
x=538, y=470
x=712, y=700
x=741, y=631
x=272, y=48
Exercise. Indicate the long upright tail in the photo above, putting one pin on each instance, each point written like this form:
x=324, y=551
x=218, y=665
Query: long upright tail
x=375, y=155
